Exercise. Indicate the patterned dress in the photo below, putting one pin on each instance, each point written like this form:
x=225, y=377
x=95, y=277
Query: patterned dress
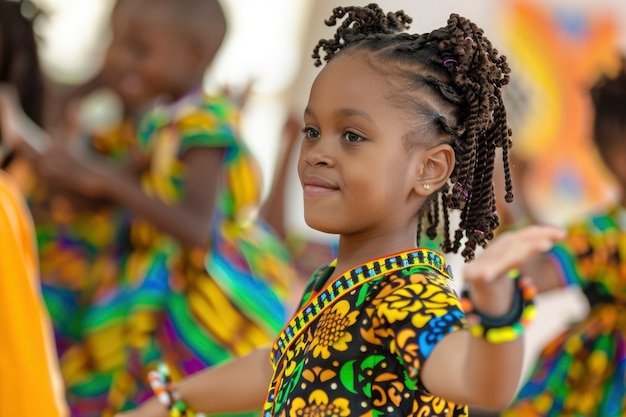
x=356, y=346
x=187, y=307
x=215, y=303
x=82, y=251
x=582, y=372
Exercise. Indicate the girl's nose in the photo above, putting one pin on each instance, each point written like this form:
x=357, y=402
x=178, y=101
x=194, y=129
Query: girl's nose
x=318, y=152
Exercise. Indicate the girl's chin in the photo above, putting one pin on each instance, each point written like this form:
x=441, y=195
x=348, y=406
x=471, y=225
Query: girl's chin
x=321, y=226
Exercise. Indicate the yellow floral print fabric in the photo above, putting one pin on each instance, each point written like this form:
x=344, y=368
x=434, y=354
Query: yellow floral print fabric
x=363, y=353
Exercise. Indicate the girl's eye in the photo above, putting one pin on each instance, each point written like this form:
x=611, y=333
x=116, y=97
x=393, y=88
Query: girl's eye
x=352, y=137
x=309, y=132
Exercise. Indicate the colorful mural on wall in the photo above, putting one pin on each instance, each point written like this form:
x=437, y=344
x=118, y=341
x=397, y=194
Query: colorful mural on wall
x=556, y=55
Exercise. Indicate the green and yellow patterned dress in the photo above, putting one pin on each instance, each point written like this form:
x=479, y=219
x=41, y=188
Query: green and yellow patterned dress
x=582, y=372
x=356, y=346
x=82, y=250
x=221, y=302
x=190, y=308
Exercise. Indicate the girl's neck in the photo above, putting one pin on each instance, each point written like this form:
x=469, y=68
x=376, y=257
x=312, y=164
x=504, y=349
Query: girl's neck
x=357, y=251
x=174, y=104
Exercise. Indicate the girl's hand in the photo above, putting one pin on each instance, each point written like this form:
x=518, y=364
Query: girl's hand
x=507, y=251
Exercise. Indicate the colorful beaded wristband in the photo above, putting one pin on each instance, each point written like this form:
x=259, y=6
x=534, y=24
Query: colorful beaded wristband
x=166, y=393
x=510, y=326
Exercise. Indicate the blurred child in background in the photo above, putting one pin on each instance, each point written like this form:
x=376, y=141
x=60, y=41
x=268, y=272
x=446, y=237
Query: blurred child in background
x=193, y=277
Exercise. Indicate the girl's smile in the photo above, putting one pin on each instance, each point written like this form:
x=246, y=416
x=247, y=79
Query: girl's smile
x=315, y=186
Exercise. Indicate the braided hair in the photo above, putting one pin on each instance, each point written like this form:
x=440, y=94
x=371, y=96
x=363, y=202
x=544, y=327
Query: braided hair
x=464, y=73
x=19, y=60
x=608, y=96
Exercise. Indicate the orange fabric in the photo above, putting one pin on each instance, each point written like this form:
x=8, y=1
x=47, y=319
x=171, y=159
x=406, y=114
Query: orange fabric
x=29, y=375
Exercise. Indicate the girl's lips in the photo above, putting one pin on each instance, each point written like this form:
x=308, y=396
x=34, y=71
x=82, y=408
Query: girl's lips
x=314, y=186
x=314, y=190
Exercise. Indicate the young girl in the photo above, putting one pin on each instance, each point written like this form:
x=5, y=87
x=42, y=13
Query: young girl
x=398, y=128
x=581, y=372
x=28, y=365
x=196, y=278
x=27, y=360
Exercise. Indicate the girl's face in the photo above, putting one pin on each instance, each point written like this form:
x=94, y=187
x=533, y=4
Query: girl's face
x=117, y=58
x=148, y=56
x=356, y=170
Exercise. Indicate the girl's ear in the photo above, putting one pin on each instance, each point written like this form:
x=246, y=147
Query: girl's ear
x=434, y=170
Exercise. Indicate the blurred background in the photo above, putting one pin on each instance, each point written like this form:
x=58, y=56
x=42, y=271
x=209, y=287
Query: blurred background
x=556, y=48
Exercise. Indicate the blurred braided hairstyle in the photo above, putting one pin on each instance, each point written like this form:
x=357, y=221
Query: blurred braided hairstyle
x=464, y=74
x=608, y=96
x=19, y=60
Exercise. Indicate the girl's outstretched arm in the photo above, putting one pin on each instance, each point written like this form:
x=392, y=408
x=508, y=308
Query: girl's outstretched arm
x=17, y=130
x=466, y=369
x=236, y=386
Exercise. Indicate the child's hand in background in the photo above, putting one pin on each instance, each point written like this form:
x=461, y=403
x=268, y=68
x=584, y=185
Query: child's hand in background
x=17, y=131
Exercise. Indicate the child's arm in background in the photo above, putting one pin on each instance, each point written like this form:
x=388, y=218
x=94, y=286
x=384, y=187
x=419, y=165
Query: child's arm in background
x=188, y=221
x=273, y=210
x=469, y=370
x=92, y=177
x=17, y=130
x=237, y=386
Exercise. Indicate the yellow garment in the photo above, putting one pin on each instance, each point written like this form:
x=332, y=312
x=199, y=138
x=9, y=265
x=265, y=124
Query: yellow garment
x=29, y=375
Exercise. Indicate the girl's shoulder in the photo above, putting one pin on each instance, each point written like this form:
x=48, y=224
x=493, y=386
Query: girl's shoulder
x=424, y=277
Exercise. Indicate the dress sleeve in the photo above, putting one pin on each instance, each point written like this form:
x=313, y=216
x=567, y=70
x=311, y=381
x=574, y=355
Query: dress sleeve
x=209, y=125
x=415, y=312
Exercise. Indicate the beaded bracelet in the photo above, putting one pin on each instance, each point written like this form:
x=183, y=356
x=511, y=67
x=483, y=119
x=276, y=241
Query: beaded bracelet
x=510, y=326
x=166, y=393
